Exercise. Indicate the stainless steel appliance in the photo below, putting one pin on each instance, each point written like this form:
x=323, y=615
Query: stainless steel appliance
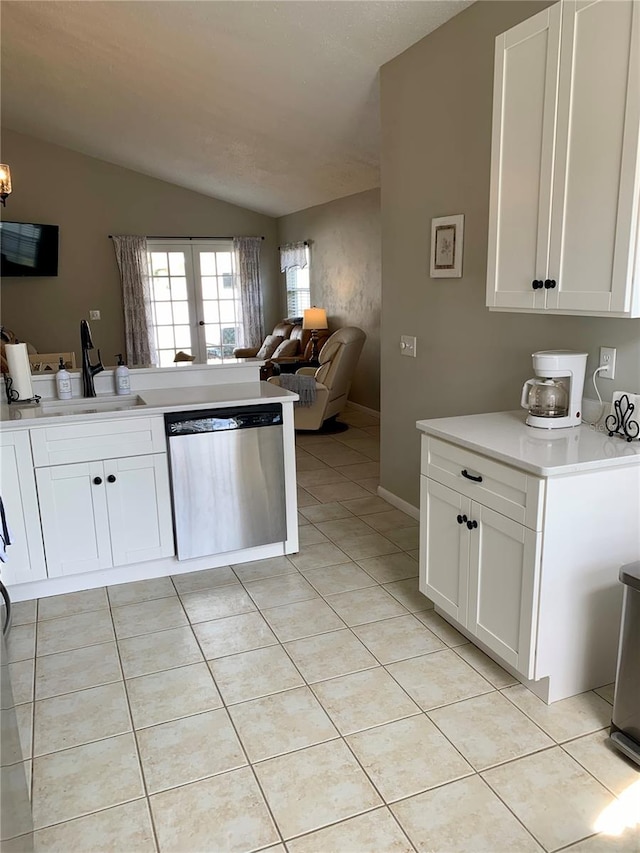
x=227, y=479
x=625, y=721
x=554, y=398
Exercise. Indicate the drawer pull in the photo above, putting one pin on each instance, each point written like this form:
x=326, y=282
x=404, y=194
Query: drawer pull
x=462, y=519
x=472, y=524
x=97, y=481
x=536, y=284
x=111, y=478
x=550, y=284
x=469, y=476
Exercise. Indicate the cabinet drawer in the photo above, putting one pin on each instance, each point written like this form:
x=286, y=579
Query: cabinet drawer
x=506, y=490
x=84, y=442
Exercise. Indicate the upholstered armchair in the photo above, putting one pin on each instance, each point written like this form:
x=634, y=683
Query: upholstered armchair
x=338, y=360
x=288, y=342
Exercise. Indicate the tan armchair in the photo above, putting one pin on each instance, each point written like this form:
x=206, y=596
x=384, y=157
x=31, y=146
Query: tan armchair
x=289, y=337
x=338, y=360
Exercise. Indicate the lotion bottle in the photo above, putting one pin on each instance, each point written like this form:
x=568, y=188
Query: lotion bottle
x=123, y=381
x=63, y=382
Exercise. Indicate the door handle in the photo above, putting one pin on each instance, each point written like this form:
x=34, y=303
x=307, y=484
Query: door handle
x=201, y=323
x=469, y=476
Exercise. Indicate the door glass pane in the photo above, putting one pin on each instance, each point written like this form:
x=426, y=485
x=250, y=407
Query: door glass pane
x=165, y=336
x=224, y=262
x=161, y=289
x=183, y=336
x=211, y=312
x=181, y=312
x=164, y=315
x=178, y=288
x=207, y=263
x=176, y=263
x=165, y=357
x=159, y=264
x=209, y=287
x=227, y=312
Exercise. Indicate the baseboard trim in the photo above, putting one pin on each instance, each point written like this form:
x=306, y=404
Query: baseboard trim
x=394, y=500
x=365, y=409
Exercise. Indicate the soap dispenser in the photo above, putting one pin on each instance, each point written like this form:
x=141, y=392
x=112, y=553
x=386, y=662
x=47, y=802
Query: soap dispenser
x=123, y=381
x=63, y=382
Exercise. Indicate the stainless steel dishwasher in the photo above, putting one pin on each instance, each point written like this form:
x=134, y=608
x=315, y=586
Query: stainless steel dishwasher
x=227, y=478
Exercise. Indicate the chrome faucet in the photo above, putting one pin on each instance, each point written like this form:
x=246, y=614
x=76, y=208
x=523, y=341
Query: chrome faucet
x=88, y=370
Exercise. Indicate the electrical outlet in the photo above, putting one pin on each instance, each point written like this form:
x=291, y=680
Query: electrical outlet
x=94, y=315
x=608, y=360
x=408, y=346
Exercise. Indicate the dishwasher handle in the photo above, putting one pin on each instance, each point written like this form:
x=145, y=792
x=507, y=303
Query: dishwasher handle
x=221, y=420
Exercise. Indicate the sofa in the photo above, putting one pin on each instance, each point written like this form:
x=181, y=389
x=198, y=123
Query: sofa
x=288, y=342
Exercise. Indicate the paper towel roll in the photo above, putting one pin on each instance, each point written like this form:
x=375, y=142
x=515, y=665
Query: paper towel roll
x=20, y=369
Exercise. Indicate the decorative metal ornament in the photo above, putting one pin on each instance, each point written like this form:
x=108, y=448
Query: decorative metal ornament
x=620, y=421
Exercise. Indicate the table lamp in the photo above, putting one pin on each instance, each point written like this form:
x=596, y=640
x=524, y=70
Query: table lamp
x=314, y=319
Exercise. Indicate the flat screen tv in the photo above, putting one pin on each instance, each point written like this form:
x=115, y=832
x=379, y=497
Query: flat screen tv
x=28, y=249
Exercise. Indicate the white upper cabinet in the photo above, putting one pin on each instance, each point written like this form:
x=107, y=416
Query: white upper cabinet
x=565, y=177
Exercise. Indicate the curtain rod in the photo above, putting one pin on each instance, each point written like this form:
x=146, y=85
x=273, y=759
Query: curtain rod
x=164, y=237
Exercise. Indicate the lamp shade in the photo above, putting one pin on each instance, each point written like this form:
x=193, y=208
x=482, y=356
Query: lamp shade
x=5, y=182
x=315, y=318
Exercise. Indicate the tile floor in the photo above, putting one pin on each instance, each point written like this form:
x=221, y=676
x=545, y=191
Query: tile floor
x=314, y=704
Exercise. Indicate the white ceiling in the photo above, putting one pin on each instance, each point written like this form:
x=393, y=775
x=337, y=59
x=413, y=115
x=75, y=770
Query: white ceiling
x=269, y=105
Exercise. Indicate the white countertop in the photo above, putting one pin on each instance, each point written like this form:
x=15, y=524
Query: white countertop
x=506, y=437
x=155, y=401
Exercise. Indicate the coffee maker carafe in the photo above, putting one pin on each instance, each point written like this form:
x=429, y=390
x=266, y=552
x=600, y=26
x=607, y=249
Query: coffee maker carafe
x=554, y=398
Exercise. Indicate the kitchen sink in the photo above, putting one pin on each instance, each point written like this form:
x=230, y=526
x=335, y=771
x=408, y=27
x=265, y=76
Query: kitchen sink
x=88, y=405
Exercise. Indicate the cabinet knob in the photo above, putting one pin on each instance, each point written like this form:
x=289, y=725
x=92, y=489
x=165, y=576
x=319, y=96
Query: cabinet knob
x=461, y=519
x=111, y=478
x=97, y=481
x=550, y=284
x=472, y=524
x=536, y=284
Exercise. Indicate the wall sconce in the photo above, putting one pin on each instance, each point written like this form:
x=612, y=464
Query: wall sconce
x=5, y=183
x=314, y=319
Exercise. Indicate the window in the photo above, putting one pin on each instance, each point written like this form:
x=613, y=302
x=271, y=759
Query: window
x=196, y=300
x=298, y=294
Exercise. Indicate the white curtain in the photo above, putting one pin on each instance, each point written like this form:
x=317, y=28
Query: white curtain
x=131, y=255
x=247, y=257
x=293, y=255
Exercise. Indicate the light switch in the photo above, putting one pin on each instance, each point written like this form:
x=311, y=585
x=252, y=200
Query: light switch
x=408, y=346
x=94, y=315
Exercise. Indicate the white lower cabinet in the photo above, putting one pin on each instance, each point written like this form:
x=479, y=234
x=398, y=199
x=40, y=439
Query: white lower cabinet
x=105, y=513
x=481, y=568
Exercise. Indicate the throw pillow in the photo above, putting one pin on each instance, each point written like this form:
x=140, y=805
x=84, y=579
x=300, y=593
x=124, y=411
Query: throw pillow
x=269, y=346
x=287, y=349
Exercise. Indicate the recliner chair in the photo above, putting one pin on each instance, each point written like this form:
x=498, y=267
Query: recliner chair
x=338, y=360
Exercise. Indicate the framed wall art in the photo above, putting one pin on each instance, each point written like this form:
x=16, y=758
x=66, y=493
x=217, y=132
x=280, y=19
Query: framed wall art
x=447, y=235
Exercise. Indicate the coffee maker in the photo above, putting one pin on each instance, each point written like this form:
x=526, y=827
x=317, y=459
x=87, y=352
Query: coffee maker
x=554, y=398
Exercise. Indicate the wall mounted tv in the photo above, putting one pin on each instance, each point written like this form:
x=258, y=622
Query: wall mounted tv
x=28, y=249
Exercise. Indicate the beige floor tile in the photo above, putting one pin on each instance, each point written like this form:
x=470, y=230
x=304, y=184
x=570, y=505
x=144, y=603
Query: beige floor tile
x=169, y=695
x=371, y=545
x=285, y=589
x=367, y=506
x=393, y=519
x=627, y=842
x=442, y=629
x=409, y=595
x=488, y=730
x=347, y=437
x=259, y=569
x=338, y=491
x=204, y=579
x=147, y=617
x=339, y=455
x=158, y=651
x=360, y=471
x=318, y=556
x=77, y=670
x=344, y=528
x=607, y=692
x=24, y=719
x=225, y=813
x=407, y=756
x=316, y=786
x=342, y=578
x=302, y=619
x=488, y=668
x=306, y=462
x=553, y=796
x=568, y=718
x=596, y=754
x=358, y=418
x=281, y=723
x=72, y=603
x=21, y=643
x=23, y=612
x=21, y=675
x=73, y=632
x=367, y=446
x=84, y=779
x=304, y=498
x=233, y=635
x=325, y=512
x=462, y=817
x=310, y=535
x=15, y=822
x=370, y=484
x=302, y=520
x=365, y=605
x=183, y=751
x=361, y=700
x=137, y=591
x=414, y=554
x=407, y=538
x=373, y=831
x=330, y=655
x=251, y=675
x=208, y=604
x=398, y=638
x=390, y=567
x=438, y=679
x=123, y=828
x=319, y=477
x=81, y=717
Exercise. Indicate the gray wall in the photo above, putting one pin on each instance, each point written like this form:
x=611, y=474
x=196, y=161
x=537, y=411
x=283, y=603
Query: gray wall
x=90, y=199
x=436, y=143
x=345, y=275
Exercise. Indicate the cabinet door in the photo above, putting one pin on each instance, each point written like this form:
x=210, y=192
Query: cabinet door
x=75, y=524
x=139, y=505
x=503, y=587
x=524, y=110
x=18, y=490
x=596, y=181
x=444, y=548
